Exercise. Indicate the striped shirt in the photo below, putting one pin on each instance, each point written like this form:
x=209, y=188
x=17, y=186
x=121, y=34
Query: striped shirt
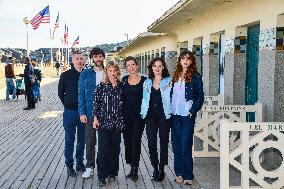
x=108, y=106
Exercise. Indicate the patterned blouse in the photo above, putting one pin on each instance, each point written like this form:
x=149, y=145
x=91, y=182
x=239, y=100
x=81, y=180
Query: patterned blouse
x=108, y=106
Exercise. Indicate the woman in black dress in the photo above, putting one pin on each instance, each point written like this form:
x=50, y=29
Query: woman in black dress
x=134, y=124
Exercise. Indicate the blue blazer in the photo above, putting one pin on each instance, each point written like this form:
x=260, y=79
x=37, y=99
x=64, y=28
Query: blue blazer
x=194, y=92
x=86, y=90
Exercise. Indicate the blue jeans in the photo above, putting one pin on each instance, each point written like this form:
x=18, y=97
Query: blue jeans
x=36, y=91
x=10, y=84
x=182, y=141
x=71, y=121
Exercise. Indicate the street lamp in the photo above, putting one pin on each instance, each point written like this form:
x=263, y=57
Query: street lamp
x=126, y=37
x=27, y=21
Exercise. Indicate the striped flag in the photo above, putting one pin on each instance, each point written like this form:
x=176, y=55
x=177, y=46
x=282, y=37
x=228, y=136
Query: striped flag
x=42, y=17
x=66, y=35
x=76, y=42
x=67, y=39
x=56, y=25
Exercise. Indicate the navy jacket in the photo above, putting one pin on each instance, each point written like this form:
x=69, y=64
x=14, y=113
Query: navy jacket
x=28, y=74
x=194, y=92
x=86, y=89
x=68, y=89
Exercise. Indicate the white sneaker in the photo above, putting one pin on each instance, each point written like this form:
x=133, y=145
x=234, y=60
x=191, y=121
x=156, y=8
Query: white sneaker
x=88, y=173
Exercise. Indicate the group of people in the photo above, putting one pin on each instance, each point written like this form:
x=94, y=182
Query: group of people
x=97, y=100
x=32, y=78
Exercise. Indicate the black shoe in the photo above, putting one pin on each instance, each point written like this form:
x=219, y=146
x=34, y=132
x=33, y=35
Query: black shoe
x=135, y=174
x=155, y=175
x=80, y=168
x=71, y=172
x=130, y=173
x=161, y=175
x=39, y=99
x=101, y=182
x=28, y=108
x=113, y=178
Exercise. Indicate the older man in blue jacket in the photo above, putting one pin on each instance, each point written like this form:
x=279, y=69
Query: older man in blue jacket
x=89, y=78
x=68, y=94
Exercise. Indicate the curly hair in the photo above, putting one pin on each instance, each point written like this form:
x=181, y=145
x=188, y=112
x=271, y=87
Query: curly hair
x=111, y=64
x=165, y=72
x=192, y=69
x=96, y=51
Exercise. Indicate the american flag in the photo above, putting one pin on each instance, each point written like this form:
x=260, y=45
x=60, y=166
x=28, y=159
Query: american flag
x=76, y=42
x=56, y=25
x=67, y=39
x=42, y=17
x=66, y=35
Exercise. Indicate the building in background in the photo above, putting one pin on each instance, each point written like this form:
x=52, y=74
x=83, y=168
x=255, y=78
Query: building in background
x=238, y=44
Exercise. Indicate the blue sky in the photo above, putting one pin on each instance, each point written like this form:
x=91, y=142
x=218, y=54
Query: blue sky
x=95, y=21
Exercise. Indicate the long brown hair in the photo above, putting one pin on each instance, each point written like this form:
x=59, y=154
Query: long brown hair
x=192, y=69
x=165, y=72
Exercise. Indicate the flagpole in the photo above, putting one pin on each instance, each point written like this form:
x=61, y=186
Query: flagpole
x=67, y=43
x=50, y=39
x=62, y=54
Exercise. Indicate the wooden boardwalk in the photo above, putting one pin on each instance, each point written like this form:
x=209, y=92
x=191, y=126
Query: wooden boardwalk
x=31, y=150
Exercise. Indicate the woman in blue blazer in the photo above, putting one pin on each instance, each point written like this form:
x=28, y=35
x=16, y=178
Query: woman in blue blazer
x=187, y=99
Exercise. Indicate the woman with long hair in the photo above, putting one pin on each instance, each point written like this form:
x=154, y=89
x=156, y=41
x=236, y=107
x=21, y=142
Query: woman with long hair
x=187, y=99
x=134, y=124
x=156, y=109
x=108, y=120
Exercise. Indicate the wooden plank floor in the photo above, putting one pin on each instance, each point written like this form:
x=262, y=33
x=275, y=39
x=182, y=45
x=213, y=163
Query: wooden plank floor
x=31, y=150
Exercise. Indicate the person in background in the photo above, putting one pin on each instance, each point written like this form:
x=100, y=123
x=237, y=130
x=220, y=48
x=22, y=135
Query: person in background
x=57, y=66
x=38, y=78
x=187, y=99
x=29, y=79
x=68, y=94
x=10, y=78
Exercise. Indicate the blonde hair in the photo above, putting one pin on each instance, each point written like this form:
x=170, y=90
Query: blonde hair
x=111, y=64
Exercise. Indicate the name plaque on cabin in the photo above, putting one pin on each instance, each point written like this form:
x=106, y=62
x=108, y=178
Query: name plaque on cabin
x=266, y=127
x=228, y=108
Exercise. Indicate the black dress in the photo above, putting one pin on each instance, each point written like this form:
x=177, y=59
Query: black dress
x=134, y=124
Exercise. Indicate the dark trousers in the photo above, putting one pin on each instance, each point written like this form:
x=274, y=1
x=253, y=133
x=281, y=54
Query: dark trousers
x=71, y=122
x=108, y=153
x=132, y=135
x=90, y=144
x=30, y=95
x=153, y=125
x=182, y=141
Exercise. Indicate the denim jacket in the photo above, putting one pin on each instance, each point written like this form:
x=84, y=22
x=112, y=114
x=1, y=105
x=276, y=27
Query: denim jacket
x=86, y=88
x=165, y=87
x=194, y=92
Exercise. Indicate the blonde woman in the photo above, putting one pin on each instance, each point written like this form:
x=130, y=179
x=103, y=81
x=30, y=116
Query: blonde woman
x=108, y=120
